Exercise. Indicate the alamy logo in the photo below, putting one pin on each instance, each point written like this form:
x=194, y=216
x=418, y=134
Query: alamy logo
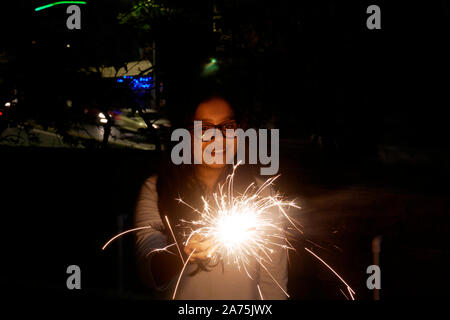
x=74, y=280
x=74, y=20
x=374, y=20
x=225, y=144
x=374, y=280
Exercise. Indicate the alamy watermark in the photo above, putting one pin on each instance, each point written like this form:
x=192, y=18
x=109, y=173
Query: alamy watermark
x=226, y=146
x=74, y=20
x=374, y=280
x=74, y=279
x=374, y=20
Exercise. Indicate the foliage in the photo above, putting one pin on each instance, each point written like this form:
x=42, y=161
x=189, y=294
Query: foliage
x=144, y=12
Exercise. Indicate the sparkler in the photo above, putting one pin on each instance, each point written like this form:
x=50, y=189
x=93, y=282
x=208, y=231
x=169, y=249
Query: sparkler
x=241, y=228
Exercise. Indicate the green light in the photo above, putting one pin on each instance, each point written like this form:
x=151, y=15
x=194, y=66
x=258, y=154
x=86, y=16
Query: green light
x=59, y=2
x=213, y=60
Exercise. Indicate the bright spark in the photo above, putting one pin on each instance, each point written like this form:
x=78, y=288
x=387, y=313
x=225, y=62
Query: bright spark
x=349, y=289
x=259, y=290
x=242, y=228
x=181, y=273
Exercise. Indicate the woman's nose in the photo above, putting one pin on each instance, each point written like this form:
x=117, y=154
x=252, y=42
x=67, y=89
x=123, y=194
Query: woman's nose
x=213, y=136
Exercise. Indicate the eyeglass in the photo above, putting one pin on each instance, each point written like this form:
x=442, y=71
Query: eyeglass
x=230, y=125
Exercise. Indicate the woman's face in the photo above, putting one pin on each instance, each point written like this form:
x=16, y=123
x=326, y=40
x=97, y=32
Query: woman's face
x=213, y=112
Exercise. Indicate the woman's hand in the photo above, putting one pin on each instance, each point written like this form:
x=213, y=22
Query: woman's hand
x=204, y=248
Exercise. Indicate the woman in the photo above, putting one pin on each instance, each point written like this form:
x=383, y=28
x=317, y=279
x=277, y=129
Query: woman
x=200, y=280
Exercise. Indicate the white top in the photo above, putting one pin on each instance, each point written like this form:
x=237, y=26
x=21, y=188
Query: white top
x=228, y=283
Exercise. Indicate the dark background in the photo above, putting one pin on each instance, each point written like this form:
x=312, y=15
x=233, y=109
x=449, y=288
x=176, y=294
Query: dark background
x=377, y=99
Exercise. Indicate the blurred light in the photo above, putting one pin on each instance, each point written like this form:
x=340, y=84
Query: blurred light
x=59, y=2
x=211, y=67
x=103, y=121
x=138, y=82
x=1, y=113
x=68, y=45
x=101, y=115
x=8, y=104
x=141, y=83
x=154, y=125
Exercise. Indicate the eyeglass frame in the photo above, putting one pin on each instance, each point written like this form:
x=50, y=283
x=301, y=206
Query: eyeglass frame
x=219, y=127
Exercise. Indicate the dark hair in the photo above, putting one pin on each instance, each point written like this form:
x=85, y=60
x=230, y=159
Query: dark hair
x=179, y=181
x=186, y=103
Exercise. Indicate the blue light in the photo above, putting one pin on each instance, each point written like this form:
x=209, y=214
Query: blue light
x=137, y=83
